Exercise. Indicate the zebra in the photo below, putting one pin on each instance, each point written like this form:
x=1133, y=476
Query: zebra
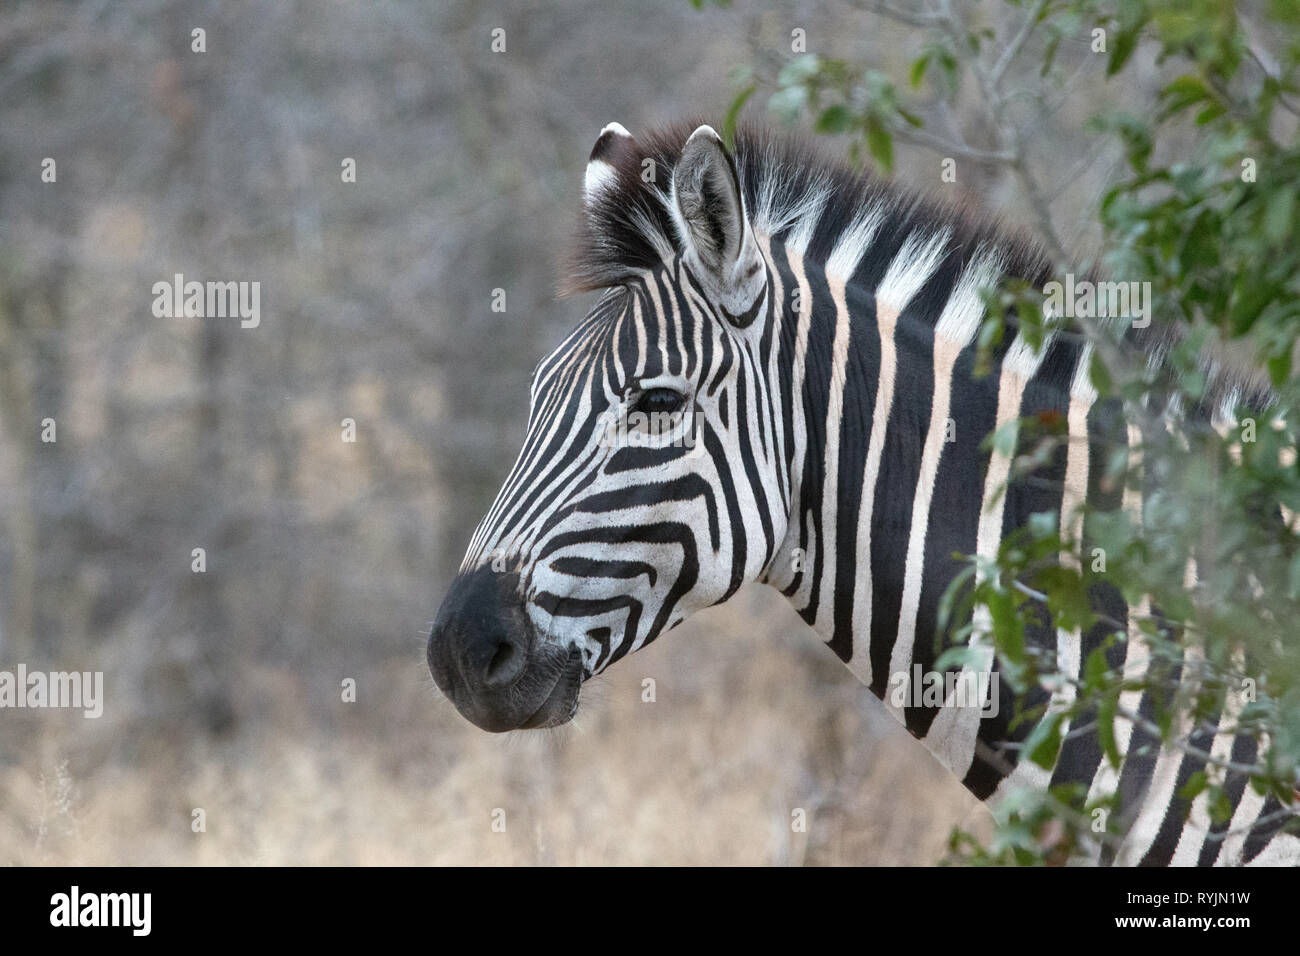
x=814, y=328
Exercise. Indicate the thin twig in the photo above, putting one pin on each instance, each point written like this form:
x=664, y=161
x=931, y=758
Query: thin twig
x=920, y=137
x=1018, y=41
x=911, y=18
x=1264, y=821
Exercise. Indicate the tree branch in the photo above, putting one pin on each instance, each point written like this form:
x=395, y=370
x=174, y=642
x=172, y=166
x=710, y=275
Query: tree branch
x=1018, y=41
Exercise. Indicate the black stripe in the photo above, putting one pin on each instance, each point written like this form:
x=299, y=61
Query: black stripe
x=816, y=398
x=861, y=379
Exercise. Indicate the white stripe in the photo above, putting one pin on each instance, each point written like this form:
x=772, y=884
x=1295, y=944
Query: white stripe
x=1283, y=850
x=841, y=263
x=777, y=292
x=912, y=266
x=1137, y=653
x=1199, y=823
x=1069, y=644
x=802, y=598
x=677, y=327
x=1164, y=778
x=1225, y=416
x=802, y=232
x=642, y=343
x=854, y=242
x=830, y=485
x=956, y=329
x=662, y=321
x=1247, y=812
x=953, y=732
x=779, y=205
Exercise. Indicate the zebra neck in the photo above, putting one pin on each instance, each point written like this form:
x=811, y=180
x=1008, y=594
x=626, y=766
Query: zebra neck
x=889, y=479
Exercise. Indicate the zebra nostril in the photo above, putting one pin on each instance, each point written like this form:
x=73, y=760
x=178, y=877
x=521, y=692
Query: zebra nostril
x=506, y=664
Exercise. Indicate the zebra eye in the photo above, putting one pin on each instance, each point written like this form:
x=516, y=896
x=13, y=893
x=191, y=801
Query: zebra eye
x=659, y=401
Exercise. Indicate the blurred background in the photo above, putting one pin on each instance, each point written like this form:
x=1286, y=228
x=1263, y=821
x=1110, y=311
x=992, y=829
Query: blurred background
x=326, y=560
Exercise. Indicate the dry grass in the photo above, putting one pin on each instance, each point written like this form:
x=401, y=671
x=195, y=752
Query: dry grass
x=752, y=720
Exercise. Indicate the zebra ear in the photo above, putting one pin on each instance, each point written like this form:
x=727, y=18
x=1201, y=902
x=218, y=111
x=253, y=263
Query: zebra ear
x=709, y=209
x=602, y=167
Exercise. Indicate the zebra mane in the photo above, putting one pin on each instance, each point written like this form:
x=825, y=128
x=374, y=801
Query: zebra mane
x=792, y=190
x=797, y=194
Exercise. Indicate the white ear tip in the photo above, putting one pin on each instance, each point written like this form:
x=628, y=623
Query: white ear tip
x=705, y=131
x=601, y=172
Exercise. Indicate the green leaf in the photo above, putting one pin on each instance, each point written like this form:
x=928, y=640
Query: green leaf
x=1096, y=669
x=951, y=593
x=880, y=144
x=1044, y=741
x=1183, y=92
x=1107, y=711
x=916, y=74
x=1009, y=638
x=1220, y=806
x=955, y=657
x=1100, y=376
x=1195, y=784
x=1209, y=114
x=733, y=113
x=834, y=119
x=911, y=119
x=1120, y=50
x=1067, y=597
x=1279, y=367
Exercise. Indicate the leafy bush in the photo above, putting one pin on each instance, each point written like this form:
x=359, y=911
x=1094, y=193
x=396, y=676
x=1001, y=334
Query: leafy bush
x=1205, y=210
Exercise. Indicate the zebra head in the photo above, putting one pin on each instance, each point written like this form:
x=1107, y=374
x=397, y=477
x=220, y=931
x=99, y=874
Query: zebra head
x=651, y=481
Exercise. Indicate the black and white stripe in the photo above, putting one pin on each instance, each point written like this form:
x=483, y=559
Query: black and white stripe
x=821, y=326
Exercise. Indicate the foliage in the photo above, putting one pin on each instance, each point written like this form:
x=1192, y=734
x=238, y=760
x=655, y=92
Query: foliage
x=1206, y=210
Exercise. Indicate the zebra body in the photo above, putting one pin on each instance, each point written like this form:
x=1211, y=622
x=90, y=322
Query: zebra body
x=815, y=332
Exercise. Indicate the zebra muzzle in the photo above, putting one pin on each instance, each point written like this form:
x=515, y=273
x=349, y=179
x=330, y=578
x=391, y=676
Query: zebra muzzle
x=485, y=654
